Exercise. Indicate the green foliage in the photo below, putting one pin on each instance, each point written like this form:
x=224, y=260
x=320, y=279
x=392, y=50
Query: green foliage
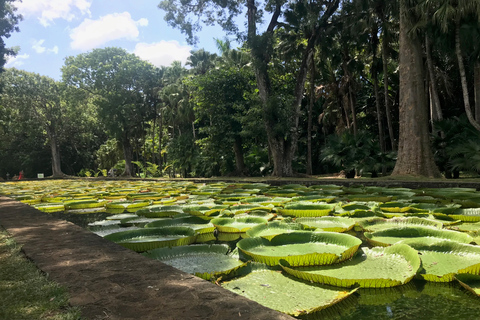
x=360, y=154
x=10, y=19
x=457, y=147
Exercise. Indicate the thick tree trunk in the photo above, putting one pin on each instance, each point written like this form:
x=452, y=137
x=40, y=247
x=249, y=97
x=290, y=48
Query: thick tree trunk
x=388, y=110
x=56, y=165
x=436, y=109
x=127, y=154
x=239, y=161
x=415, y=157
x=477, y=90
x=463, y=79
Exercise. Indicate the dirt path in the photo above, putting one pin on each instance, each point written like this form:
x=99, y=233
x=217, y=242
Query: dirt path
x=110, y=282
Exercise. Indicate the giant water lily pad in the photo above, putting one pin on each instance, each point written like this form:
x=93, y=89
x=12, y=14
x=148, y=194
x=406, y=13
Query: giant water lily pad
x=50, y=207
x=204, y=210
x=376, y=224
x=196, y=223
x=441, y=261
x=150, y=238
x=369, y=268
x=307, y=209
x=333, y=224
x=390, y=236
x=237, y=225
x=204, y=261
x=271, y=229
x=471, y=282
x=83, y=204
x=130, y=206
x=159, y=211
x=285, y=294
x=301, y=248
x=467, y=214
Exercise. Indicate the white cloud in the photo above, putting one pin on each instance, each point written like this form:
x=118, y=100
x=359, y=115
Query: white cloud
x=94, y=33
x=37, y=46
x=48, y=10
x=143, y=22
x=16, y=61
x=53, y=50
x=162, y=53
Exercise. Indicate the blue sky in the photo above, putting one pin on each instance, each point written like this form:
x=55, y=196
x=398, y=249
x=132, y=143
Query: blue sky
x=54, y=29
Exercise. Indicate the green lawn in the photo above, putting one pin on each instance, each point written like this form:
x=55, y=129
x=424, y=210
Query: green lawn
x=25, y=292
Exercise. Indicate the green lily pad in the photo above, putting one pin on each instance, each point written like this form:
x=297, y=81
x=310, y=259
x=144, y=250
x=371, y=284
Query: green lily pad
x=285, y=294
x=376, y=224
x=237, y=225
x=466, y=215
x=83, y=204
x=271, y=229
x=441, y=261
x=332, y=224
x=301, y=248
x=395, y=207
x=393, y=266
x=204, y=210
x=307, y=210
x=471, y=282
x=50, y=207
x=205, y=261
x=126, y=205
x=150, y=238
x=390, y=236
x=160, y=211
x=196, y=223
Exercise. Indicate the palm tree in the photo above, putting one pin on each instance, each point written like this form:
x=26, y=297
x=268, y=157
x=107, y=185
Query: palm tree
x=449, y=13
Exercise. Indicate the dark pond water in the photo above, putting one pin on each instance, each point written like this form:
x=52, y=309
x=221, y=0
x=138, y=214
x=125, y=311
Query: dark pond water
x=417, y=300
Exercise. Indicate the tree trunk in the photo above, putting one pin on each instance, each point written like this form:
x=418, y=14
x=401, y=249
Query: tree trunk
x=463, y=78
x=388, y=110
x=352, y=108
x=283, y=146
x=56, y=165
x=127, y=154
x=436, y=109
x=381, y=135
x=415, y=158
x=309, y=170
x=160, y=137
x=477, y=90
x=239, y=161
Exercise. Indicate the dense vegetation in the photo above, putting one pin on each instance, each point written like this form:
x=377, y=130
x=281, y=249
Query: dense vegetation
x=364, y=86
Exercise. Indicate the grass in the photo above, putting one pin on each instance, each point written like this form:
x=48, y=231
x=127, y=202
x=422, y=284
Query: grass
x=25, y=292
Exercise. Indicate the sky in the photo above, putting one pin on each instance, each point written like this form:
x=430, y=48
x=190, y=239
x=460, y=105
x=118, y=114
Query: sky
x=52, y=30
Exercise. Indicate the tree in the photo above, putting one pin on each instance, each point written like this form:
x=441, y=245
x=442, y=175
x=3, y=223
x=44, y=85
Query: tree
x=123, y=88
x=39, y=98
x=309, y=18
x=454, y=13
x=8, y=24
x=220, y=105
x=414, y=153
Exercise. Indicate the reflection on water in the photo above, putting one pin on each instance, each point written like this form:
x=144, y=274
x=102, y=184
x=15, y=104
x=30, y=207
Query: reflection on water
x=416, y=300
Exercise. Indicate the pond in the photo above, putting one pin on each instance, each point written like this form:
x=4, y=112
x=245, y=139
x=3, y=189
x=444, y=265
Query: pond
x=450, y=217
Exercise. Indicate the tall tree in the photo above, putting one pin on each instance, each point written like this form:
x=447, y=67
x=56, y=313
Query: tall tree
x=9, y=20
x=124, y=90
x=311, y=18
x=40, y=98
x=415, y=156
